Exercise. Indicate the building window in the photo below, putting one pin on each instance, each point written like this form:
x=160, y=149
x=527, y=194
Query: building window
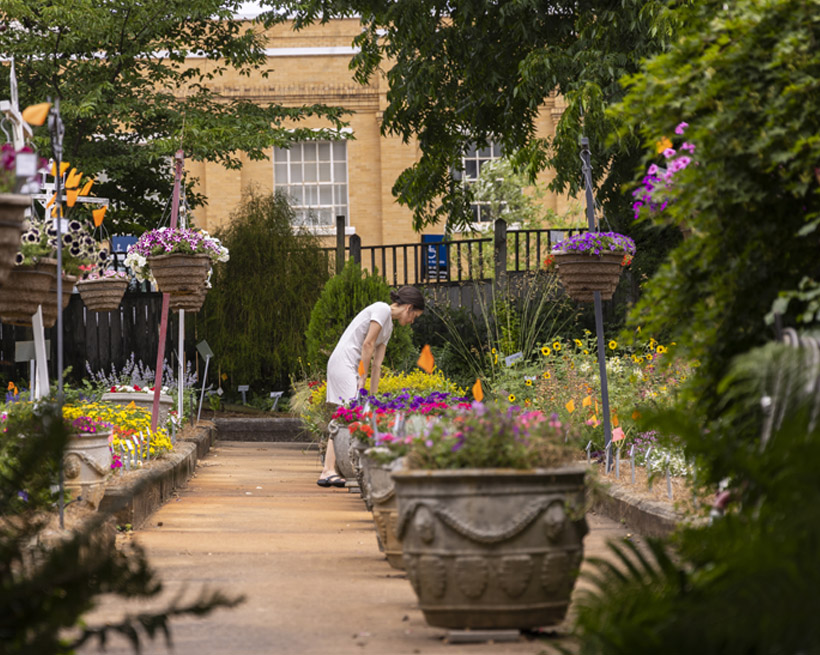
x=314, y=175
x=473, y=160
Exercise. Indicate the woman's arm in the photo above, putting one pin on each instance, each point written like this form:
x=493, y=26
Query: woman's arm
x=368, y=348
x=376, y=368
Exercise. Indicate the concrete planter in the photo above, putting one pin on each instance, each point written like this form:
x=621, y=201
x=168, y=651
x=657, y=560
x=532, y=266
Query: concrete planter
x=380, y=491
x=347, y=450
x=141, y=399
x=87, y=466
x=492, y=548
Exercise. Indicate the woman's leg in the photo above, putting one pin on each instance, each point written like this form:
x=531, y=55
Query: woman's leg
x=330, y=461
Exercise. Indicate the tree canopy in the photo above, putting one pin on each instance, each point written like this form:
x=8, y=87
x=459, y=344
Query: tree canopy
x=474, y=71
x=130, y=96
x=745, y=77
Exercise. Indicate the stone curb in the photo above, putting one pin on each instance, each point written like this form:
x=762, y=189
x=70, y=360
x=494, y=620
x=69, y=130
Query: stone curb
x=133, y=502
x=278, y=429
x=646, y=517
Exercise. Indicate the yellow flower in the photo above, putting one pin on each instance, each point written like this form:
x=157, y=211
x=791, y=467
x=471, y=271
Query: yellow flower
x=547, y=375
x=613, y=345
x=660, y=350
x=556, y=345
x=528, y=383
x=492, y=350
x=495, y=361
x=578, y=343
x=511, y=398
x=587, y=332
x=586, y=352
x=545, y=351
x=640, y=360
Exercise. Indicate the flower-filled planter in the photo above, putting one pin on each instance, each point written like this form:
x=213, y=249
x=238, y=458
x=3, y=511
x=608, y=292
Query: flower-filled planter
x=103, y=292
x=28, y=286
x=12, y=213
x=125, y=395
x=177, y=259
x=380, y=489
x=491, y=519
x=592, y=261
x=87, y=460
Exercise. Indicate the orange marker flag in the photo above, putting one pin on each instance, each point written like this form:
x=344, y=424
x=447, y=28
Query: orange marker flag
x=615, y=421
x=73, y=179
x=86, y=188
x=618, y=434
x=98, y=215
x=570, y=406
x=36, y=114
x=478, y=392
x=586, y=402
x=50, y=202
x=71, y=196
x=131, y=405
x=426, y=361
x=361, y=368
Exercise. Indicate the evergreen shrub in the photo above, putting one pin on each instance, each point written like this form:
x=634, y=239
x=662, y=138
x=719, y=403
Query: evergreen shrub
x=255, y=316
x=344, y=296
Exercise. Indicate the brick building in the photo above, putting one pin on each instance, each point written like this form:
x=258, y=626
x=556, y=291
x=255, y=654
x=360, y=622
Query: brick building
x=351, y=177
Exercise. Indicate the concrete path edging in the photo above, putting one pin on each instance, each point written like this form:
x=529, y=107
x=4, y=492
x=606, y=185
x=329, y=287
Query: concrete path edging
x=132, y=502
x=648, y=518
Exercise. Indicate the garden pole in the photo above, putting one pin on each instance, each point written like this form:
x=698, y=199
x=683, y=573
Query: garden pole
x=181, y=341
x=599, y=317
x=163, y=324
x=57, y=131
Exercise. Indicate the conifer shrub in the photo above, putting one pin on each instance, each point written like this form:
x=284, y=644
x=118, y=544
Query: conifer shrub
x=344, y=296
x=256, y=314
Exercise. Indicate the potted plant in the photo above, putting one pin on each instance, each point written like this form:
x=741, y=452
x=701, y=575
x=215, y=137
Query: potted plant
x=13, y=206
x=592, y=261
x=87, y=459
x=125, y=395
x=103, y=291
x=491, y=518
x=177, y=259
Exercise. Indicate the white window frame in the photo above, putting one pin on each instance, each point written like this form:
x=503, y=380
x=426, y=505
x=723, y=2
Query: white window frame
x=475, y=155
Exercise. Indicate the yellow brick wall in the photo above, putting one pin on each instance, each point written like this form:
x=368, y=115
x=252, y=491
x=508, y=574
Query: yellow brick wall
x=374, y=162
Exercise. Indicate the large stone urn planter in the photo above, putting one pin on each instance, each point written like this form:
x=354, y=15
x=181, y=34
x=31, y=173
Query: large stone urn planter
x=492, y=548
x=87, y=466
x=582, y=275
x=12, y=213
x=141, y=399
x=347, y=449
x=379, y=491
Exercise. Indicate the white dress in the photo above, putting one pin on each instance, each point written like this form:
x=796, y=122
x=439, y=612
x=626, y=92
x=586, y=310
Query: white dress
x=343, y=365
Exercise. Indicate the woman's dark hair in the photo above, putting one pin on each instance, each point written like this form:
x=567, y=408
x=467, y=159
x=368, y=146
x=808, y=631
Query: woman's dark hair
x=408, y=296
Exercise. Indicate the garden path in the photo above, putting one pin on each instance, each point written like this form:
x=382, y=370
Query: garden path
x=252, y=521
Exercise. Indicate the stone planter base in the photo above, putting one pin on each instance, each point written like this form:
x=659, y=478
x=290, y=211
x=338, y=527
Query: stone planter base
x=492, y=549
x=379, y=493
x=344, y=447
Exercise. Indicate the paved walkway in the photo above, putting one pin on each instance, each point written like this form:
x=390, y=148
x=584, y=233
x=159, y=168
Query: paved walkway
x=252, y=521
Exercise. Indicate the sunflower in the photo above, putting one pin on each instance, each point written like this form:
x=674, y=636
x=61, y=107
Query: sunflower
x=613, y=344
x=545, y=351
x=660, y=350
x=586, y=352
x=528, y=382
x=578, y=343
x=511, y=397
x=547, y=375
x=556, y=345
x=492, y=350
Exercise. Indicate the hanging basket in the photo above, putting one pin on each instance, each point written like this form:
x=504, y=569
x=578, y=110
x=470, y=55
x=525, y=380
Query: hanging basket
x=12, y=214
x=189, y=302
x=50, y=306
x=28, y=287
x=582, y=275
x=103, y=294
x=180, y=274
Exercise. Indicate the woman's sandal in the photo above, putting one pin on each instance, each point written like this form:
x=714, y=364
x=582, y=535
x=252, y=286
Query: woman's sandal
x=332, y=481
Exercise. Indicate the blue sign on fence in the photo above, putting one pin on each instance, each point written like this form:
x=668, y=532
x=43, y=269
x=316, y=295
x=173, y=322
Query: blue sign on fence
x=122, y=243
x=435, y=257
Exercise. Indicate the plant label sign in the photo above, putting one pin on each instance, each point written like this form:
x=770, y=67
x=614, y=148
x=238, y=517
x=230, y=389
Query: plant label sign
x=276, y=395
x=204, y=349
x=243, y=389
x=509, y=361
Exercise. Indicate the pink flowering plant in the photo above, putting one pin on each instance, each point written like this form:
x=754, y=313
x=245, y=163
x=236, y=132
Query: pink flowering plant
x=85, y=425
x=9, y=182
x=595, y=244
x=653, y=194
x=166, y=241
x=108, y=274
x=492, y=435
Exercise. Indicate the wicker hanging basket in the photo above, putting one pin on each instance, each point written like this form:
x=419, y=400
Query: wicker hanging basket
x=102, y=295
x=582, y=275
x=28, y=287
x=180, y=274
x=12, y=213
x=191, y=302
x=50, y=306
